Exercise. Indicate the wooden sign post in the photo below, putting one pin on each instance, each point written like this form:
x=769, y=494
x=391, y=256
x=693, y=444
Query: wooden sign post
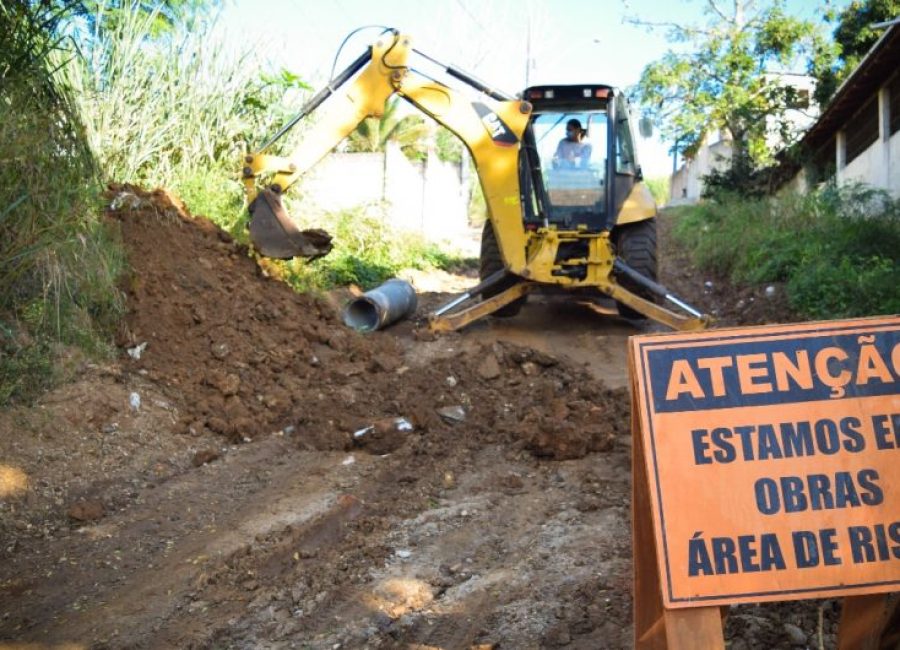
x=766, y=467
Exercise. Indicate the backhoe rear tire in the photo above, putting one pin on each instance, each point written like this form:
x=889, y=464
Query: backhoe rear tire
x=490, y=262
x=636, y=246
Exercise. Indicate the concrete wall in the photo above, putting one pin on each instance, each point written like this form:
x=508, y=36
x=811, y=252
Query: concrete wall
x=878, y=166
x=431, y=197
x=865, y=168
x=342, y=181
x=873, y=166
x=893, y=167
x=797, y=185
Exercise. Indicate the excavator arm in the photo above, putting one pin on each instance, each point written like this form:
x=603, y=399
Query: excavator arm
x=492, y=132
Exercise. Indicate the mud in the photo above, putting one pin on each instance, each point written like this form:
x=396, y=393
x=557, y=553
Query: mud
x=289, y=483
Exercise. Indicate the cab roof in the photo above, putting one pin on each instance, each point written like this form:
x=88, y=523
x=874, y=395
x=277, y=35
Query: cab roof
x=570, y=96
x=569, y=92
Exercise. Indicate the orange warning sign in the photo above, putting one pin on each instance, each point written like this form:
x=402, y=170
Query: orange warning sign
x=773, y=460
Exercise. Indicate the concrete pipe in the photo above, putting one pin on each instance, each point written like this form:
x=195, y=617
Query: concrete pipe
x=383, y=305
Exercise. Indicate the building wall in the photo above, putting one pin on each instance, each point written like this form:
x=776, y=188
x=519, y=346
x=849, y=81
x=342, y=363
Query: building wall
x=798, y=120
x=893, y=167
x=431, y=197
x=687, y=183
x=878, y=165
x=865, y=168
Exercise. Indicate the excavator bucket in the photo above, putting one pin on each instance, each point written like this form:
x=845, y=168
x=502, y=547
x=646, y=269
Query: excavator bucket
x=276, y=235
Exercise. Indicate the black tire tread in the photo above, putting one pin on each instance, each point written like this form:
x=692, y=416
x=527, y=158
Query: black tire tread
x=636, y=246
x=491, y=261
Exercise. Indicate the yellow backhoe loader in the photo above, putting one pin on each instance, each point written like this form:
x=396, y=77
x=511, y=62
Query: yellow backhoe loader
x=566, y=211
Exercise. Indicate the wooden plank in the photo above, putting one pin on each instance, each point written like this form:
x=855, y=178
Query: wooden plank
x=864, y=620
x=649, y=623
x=694, y=628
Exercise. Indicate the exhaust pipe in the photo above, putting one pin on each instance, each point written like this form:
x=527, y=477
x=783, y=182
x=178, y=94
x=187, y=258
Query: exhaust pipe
x=383, y=305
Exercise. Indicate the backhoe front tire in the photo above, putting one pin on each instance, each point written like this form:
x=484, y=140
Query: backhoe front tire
x=636, y=246
x=491, y=261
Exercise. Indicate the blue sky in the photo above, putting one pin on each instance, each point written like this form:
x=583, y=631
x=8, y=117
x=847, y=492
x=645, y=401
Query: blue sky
x=571, y=41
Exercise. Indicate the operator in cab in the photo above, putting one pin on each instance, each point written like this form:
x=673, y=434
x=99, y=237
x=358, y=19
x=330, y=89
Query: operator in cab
x=572, y=151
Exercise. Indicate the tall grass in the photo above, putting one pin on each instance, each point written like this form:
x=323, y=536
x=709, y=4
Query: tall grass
x=836, y=249
x=58, y=263
x=177, y=110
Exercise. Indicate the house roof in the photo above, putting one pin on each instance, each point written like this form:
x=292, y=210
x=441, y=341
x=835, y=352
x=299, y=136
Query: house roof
x=878, y=65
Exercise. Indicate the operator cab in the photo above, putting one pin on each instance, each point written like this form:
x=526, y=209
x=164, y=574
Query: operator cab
x=572, y=181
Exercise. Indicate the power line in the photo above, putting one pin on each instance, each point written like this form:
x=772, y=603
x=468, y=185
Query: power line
x=472, y=16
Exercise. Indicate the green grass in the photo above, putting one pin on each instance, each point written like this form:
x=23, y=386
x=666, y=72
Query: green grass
x=837, y=249
x=26, y=364
x=366, y=253
x=215, y=194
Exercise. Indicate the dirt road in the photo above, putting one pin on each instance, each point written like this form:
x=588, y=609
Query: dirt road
x=287, y=484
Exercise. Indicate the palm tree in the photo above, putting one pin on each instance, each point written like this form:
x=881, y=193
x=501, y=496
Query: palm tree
x=409, y=131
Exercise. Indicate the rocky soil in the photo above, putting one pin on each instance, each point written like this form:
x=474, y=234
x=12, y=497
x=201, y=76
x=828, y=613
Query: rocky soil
x=248, y=473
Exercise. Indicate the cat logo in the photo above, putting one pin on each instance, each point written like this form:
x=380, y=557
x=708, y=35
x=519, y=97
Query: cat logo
x=493, y=124
x=499, y=132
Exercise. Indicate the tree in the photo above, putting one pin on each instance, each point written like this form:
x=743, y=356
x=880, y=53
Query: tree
x=373, y=133
x=730, y=78
x=853, y=37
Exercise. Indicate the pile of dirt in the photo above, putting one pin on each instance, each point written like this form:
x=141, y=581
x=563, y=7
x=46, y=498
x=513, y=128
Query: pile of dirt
x=246, y=356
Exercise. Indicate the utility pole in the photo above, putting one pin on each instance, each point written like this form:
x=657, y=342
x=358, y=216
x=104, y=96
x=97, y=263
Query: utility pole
x=528, y=49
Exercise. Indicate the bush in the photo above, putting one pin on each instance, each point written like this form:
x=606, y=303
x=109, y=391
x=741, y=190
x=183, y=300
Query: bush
x=659, y=188
x=836, y=249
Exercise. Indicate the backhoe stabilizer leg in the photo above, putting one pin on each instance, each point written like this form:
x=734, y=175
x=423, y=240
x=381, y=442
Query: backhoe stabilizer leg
x=655, y=312
x=654, y=287
x=487, y=283
x=696, y=321
x=441, y=321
